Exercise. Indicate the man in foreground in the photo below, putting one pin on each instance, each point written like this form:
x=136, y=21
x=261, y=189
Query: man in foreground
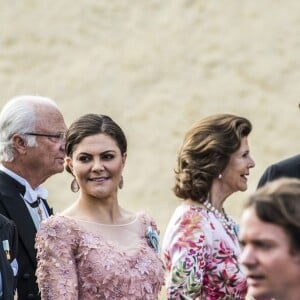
x=269, y=236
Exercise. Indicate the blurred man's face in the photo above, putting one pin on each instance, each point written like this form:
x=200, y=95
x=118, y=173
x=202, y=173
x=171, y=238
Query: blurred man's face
x=270, y=268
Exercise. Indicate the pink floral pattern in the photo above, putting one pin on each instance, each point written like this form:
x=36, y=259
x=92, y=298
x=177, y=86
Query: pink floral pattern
x=74, y=264
x=201, y=258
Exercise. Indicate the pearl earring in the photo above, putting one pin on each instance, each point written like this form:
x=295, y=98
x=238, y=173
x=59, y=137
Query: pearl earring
x=220, y=176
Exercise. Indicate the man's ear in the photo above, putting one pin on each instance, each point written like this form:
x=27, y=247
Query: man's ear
x=19, y=143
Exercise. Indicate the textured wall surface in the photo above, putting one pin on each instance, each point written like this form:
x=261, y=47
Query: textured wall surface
x=156, y=67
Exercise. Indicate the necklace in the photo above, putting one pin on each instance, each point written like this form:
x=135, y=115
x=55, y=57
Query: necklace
x=227, y=222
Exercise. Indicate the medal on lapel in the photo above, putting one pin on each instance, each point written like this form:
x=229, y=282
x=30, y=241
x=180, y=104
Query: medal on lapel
x=5, y=245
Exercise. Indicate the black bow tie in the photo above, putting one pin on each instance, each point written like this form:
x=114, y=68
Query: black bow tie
x=35, y=203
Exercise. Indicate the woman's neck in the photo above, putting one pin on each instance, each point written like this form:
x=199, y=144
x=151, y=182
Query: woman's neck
x=217, y=196
x=95, y=210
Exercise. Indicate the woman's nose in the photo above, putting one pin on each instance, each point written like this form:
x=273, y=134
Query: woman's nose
x=98, y=165
x=251, y=163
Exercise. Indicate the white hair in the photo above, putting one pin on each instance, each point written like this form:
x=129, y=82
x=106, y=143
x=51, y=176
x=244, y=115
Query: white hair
x=19, y=116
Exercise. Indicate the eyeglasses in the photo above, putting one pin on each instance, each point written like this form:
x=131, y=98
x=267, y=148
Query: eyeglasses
x=55, y=137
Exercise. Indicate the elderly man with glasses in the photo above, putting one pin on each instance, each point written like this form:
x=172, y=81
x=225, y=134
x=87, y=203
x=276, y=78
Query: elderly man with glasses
x=31, y=150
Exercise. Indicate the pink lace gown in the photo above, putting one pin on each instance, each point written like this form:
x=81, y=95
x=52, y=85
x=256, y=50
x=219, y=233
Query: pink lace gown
x=87, y=261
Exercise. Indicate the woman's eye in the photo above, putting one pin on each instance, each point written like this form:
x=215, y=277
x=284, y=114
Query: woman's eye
x=107, y=157
x=84, y=158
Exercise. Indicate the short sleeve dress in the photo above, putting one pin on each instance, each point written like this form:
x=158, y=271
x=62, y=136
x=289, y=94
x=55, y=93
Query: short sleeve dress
x=201, y=257
x=81, y=260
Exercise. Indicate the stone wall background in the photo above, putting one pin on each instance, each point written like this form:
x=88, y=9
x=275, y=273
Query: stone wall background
x=156, y=67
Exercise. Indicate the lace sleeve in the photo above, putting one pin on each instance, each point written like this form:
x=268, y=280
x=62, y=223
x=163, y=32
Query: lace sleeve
x=56, y=268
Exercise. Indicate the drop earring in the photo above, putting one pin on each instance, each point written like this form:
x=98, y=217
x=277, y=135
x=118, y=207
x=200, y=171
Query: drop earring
x=121, y=183
x=74, y=186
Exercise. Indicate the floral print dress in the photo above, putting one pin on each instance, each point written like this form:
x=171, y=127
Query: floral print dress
x=201, y=257
x=81, y=260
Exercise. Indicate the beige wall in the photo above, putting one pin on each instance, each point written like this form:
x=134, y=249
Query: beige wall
x=156, y=67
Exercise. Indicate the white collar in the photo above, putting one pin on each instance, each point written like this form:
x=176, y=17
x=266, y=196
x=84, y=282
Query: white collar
x=30, y=193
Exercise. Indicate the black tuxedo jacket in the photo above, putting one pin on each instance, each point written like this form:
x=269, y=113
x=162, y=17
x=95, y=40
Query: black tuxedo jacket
x=8, y=231
x=12, y=206
x=289, y=167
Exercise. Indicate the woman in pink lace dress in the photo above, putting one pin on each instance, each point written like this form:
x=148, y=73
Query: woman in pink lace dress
x=96, y=249
x=201, y=246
